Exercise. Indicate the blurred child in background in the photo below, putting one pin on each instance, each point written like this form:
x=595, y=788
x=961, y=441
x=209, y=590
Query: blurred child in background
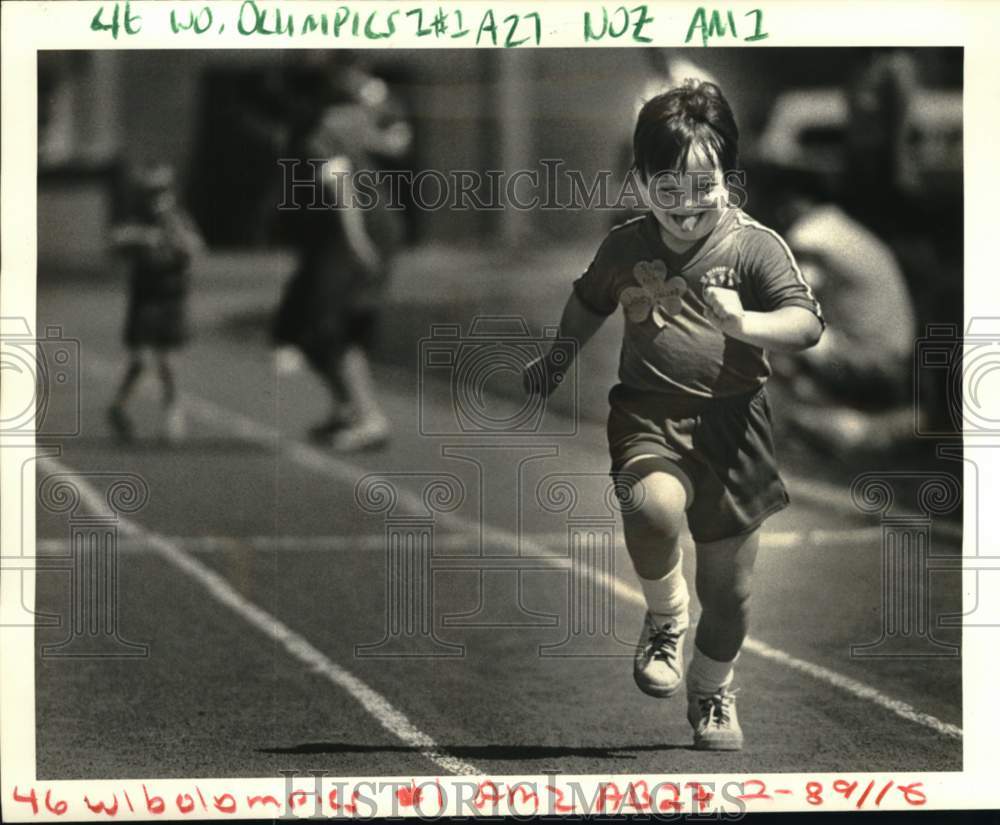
x=331, y=305
x=159, y=242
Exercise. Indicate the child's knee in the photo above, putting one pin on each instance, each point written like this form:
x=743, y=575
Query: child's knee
x=659, y=508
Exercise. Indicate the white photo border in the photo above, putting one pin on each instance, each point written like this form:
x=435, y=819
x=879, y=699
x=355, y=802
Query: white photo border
x=30, y=27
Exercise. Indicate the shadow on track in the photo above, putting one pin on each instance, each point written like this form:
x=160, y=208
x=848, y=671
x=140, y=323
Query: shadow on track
x=484, y=752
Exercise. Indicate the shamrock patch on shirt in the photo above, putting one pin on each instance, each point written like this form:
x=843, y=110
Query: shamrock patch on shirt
x=655, y=295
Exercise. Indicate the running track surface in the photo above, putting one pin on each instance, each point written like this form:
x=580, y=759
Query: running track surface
x=253, y=575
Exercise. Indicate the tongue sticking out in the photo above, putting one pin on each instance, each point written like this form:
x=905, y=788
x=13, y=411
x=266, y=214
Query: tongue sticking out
x=689, y=222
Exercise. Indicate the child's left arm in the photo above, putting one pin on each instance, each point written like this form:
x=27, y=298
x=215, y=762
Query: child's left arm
x=783, y=314
x=337, y=173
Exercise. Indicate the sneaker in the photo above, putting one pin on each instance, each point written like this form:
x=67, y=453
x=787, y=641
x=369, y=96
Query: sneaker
x=120, y=423
x=174, y=424
x=659, y=658
x=355, y=438
x=713, y=718
x=324, y=432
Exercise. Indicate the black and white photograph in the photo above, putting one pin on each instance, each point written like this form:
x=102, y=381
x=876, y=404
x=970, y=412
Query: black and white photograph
x=570, y=430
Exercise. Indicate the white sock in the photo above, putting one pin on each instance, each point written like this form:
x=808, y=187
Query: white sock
x=705, y=675
x=667, y=598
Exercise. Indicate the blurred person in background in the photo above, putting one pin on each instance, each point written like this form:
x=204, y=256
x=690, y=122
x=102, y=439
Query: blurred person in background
x=330, y=309
x=853, y=390
x=880, y=156
x=159, y=242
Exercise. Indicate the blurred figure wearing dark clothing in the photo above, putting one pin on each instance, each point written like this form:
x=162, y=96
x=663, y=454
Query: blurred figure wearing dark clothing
x=331, y=306
x=159, y=243
x=881, y=163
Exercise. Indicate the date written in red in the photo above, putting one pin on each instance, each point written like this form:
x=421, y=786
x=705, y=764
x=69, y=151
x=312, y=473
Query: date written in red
x=871, y=794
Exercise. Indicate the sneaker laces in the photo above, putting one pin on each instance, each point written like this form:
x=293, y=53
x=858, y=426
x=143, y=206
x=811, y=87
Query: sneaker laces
x=716, y=709
x=663, y=644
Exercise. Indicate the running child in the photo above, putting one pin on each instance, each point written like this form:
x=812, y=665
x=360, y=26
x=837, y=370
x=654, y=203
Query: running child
x=160, y=242
x=706, y=292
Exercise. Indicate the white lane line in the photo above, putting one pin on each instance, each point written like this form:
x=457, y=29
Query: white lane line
x=346, y=471
x=373, y=542
x=338, y=468
x=394, y=721
x=826, y=496
x=853, y=686
x=142, y=541
x=858, y=689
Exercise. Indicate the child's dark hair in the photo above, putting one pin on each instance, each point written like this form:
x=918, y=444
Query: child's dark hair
x=695, y=114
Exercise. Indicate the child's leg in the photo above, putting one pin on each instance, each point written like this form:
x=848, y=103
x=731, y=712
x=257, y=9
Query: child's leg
x=357, y=378
x=325, y=361
x=725, y=569
x=722, y=581
x=660, y=494
x=136, y=366
x=117, y=417
x=370, y=428
x=168, y=382
x=653, y=525
x=173, y=414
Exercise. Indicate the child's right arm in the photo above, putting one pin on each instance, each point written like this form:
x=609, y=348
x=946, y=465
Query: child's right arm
x=592, y=300
x=131, y=235
x=578, y=324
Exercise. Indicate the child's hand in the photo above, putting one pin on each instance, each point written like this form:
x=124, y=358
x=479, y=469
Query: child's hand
x=541, y=377
x=287, y=360
x=725, y=310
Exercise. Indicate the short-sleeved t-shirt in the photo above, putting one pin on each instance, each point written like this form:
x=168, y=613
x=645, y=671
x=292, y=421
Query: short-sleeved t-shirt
x=669, y=345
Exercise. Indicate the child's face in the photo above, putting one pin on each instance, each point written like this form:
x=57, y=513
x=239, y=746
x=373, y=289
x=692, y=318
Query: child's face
x=688, y=204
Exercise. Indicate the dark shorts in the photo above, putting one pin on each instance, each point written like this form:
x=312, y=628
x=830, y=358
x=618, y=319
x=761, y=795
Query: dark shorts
x=160, y=323
x=724, y=447
x=324, y=347
x=325, y=309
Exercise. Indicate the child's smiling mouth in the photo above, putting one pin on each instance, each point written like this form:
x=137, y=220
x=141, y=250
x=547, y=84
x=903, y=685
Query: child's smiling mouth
x=687, y=223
